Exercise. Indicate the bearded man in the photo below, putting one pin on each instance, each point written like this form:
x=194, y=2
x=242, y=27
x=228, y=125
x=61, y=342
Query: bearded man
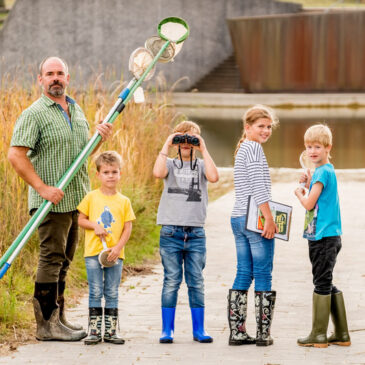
x=47, y=138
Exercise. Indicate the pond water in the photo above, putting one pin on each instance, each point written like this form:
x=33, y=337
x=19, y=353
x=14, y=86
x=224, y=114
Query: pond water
x=286, y=143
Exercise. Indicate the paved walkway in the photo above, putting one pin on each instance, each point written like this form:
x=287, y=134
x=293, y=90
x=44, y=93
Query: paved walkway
x=140, y=302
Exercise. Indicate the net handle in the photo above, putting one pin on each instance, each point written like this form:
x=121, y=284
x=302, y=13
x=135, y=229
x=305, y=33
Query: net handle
x=174, y=20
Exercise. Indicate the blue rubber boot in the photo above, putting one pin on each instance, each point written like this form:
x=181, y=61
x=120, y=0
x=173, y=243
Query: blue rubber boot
x=168, y=325
x=199, y=334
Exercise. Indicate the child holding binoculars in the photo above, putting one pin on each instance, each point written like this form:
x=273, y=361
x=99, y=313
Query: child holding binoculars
x=182, y=213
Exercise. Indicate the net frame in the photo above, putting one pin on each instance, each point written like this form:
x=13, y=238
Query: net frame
x=103, y=258
x=173, y=20
x=305, y=162
x=138, y=70
x=155, y=43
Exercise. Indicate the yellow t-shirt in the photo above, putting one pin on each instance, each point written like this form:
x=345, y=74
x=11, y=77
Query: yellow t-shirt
x=109, y=211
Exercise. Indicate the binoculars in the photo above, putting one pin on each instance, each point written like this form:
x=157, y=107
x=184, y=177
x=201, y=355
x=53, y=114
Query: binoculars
x=186, y=138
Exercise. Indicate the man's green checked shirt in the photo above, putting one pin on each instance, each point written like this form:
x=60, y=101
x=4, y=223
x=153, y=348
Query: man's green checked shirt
x=54, y=142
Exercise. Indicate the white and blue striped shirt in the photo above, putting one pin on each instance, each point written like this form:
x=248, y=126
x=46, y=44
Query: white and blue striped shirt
x=251, y=177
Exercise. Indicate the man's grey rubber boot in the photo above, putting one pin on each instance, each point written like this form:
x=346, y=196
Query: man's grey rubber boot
x=52, y=329
x=61, y=304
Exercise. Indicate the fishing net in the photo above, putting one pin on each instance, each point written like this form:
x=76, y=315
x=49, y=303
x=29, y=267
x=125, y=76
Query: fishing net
x=173, y=29
x=154, y=44
x=139, y=61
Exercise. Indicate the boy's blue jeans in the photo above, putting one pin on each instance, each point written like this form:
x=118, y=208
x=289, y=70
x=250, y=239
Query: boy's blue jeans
x=103, y=282
x=180, y=245
x=255, y=255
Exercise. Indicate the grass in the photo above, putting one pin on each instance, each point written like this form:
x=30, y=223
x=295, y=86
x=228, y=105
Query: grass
x=139, y=133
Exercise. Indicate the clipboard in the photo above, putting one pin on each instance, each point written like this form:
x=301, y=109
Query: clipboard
x=281, y=213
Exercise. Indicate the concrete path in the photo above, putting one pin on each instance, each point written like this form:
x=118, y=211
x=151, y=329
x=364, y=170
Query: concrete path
x=140, y=302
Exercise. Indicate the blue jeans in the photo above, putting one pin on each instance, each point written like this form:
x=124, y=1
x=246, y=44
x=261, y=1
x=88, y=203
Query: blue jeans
x=180, y=246
x=255, y=255
x=103, y=282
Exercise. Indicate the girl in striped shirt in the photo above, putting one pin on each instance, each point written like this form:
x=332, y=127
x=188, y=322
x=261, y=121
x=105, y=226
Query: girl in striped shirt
x=255, y=252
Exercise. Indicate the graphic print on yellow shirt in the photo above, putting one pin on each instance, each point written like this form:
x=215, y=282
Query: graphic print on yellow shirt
x=110, y=212
x=106, y=219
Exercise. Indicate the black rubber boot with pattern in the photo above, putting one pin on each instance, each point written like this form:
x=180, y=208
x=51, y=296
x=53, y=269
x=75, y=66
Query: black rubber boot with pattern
x=237, y=313
x=264, y=309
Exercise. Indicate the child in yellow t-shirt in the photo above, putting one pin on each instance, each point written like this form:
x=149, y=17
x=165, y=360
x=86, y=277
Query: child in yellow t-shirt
x=106, y=215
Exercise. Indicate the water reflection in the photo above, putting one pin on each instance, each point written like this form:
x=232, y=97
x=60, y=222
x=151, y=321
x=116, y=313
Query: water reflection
x=286, y=144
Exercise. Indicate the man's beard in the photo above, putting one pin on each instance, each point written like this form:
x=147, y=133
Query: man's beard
x=56, y=91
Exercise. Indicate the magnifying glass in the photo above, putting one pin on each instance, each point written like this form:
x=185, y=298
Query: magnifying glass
x=103, y=256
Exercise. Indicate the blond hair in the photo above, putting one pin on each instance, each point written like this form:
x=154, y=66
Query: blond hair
x=319, y=133
x=108, y=158
x=187, y=126
x=254, y=113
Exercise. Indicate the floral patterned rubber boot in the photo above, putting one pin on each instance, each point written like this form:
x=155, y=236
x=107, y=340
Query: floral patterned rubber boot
x=264, y=308
x=237, y=313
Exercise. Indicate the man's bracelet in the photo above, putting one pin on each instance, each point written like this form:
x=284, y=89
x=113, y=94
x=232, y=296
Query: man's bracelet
x=164, y=154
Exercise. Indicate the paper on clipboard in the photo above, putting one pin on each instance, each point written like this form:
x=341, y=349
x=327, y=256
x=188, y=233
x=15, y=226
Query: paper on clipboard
x=281, y=213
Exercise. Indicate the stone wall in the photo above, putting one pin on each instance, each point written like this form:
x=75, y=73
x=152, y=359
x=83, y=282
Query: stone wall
x=94, y=35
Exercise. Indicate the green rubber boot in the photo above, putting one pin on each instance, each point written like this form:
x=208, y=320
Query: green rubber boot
x=341, y=335
x=320, y=318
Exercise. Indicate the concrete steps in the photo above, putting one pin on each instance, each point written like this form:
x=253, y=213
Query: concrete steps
x=224, y=78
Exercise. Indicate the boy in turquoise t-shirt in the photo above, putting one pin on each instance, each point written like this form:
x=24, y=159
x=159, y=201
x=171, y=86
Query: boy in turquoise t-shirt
x=323, y=231
x=106, y=215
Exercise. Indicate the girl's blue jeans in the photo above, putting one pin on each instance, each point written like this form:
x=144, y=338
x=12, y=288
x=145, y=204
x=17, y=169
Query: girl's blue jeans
x=255, y=256
x=103, y=282
x=182, y=249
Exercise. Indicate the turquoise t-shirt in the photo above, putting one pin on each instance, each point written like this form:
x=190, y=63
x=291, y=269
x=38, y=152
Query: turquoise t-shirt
x=324, y=220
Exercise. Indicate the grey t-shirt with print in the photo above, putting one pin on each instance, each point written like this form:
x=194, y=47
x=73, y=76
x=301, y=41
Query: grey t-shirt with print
x=184, y=198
